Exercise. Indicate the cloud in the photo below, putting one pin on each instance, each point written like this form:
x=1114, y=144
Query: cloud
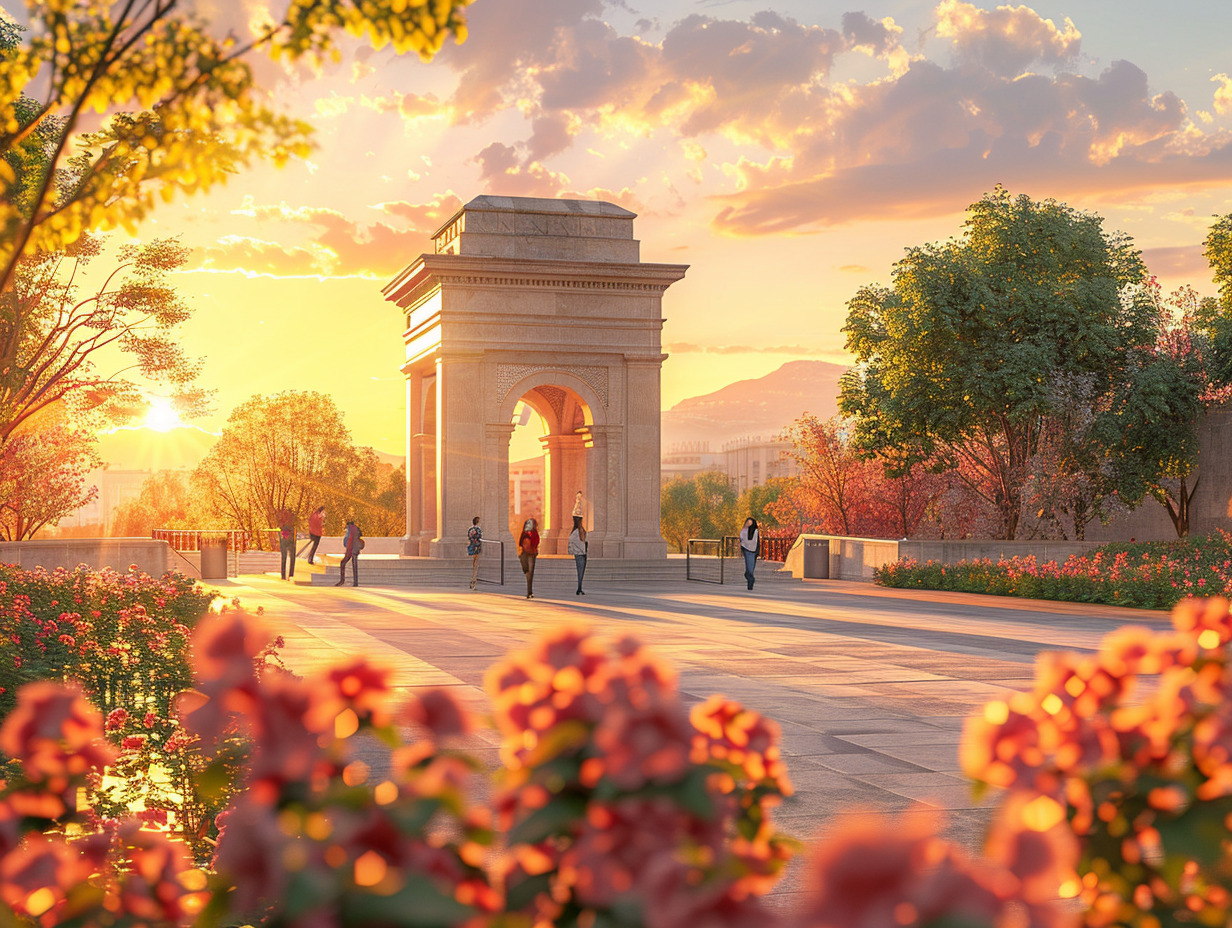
x=508, y=173
x=1223, y=94
x=1005, y=40
x=912, y=137
x=1180, y=261
x=336, y=244
x=257, y=256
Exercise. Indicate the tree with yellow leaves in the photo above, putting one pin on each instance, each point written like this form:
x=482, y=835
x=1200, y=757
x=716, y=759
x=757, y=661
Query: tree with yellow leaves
x=107, y=107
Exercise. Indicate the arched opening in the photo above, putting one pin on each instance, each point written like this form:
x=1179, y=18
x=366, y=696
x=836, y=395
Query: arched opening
x=548, y=451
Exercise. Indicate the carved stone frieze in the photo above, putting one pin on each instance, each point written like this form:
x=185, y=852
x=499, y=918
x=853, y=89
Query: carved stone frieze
x=593, y=376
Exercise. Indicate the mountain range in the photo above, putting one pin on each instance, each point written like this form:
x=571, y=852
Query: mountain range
x=759, y=407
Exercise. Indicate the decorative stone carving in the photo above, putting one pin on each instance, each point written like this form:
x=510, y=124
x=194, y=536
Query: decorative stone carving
x=509, y=374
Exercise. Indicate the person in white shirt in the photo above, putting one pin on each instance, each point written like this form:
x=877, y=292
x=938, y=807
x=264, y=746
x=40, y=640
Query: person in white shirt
x=577, y=547
x=748, y=547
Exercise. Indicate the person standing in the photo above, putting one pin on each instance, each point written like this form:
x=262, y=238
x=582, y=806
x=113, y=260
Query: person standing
x=577, y=547
x=528, y=551
x=316, y=528
x=286, y=542
x=352, y=542
x=748, y=547
x=474, y=545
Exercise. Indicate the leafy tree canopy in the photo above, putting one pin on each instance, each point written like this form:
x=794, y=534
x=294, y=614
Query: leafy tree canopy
x=960, y=360
x=105, y=108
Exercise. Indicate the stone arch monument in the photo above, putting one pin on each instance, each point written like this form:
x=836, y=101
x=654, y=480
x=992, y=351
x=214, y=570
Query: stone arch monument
x=545, y=302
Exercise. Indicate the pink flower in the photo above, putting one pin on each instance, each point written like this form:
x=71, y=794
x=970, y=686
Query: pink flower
x=56, y=734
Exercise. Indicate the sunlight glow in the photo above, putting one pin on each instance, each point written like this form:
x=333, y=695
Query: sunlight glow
x=161, y=416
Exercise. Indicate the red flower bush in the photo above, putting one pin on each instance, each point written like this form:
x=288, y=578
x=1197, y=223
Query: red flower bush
x=617, y=807
x=1144, y=780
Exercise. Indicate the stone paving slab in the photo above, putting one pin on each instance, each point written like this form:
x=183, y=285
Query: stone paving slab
x=870, y=686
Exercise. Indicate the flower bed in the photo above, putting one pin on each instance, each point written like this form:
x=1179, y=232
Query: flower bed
x=125, y=639
x=1149, y=576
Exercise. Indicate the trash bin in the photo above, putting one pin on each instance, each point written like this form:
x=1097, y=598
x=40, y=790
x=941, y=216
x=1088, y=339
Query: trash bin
x=816, y=559
x=214, y=559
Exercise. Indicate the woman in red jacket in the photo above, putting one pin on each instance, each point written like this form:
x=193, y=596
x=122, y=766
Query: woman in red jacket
x=528, y=550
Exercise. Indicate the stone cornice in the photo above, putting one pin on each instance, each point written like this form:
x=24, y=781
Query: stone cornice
x=431, y=271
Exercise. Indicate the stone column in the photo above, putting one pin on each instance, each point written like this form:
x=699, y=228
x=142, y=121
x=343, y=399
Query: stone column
x=643, y=537
x=459, y=451
x=603, y=489
x=495, y=513
x=565, y=475
x=552, y=535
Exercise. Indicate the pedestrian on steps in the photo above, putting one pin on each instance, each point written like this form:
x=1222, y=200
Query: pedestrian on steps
x=474, y=545
x=748, y=547
x=528, y=551
x=352, y=542
x=316, y=528
x=286, y=543
x=577, y=547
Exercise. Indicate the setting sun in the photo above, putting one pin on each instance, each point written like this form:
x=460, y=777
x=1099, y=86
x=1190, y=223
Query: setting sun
x=161, y=416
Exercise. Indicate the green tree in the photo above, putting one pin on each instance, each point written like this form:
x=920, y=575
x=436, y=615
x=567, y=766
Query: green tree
x=701, y=506
x=181, y=110
x=958, y=361
x=291, y=450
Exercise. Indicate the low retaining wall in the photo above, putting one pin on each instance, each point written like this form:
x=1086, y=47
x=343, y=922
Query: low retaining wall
x=857, y=558
x=151, y=557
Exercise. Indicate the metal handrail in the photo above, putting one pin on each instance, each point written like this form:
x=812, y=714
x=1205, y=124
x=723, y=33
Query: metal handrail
x=718, y=543
x=500, y=558
x=190, y=539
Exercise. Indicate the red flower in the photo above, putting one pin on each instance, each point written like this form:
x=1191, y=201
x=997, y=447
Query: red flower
x=56, y=733
x=439, y=712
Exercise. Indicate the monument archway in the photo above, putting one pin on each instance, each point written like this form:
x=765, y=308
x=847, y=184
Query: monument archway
x=545, y=302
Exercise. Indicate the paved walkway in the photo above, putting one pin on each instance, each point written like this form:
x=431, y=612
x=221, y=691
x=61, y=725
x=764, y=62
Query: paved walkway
x=870, y=686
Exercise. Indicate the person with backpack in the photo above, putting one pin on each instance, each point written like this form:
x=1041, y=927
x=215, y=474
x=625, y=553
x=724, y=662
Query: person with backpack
x=353, y=542
x=474, y=545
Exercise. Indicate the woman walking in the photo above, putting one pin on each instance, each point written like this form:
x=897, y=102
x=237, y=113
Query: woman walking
x=577, y=547
x=528, y=550
x=748, y=547
x=474, y=544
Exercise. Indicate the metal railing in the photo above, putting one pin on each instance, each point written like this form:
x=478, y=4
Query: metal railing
x=704, y=557
x=490, y=551
x=190, y=539
x=775, y=547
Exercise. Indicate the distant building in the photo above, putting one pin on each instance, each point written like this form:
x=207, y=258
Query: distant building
x=750, y=462
x=525, y=492
x=688, y=459
x=747, y=462
x=115, y=487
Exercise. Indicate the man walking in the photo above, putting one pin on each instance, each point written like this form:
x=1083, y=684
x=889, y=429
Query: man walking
x=352, y=542
x=286, y=542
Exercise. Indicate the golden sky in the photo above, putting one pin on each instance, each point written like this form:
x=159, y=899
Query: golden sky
x=787, y=151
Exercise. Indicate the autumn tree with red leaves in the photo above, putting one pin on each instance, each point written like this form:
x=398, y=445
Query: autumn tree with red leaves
x=43, y=478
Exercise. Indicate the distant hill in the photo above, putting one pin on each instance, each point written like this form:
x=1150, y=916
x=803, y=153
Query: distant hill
x=760, y=407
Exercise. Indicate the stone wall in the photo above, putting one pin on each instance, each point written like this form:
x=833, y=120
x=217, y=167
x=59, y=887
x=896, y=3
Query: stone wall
x=857, y=558
x=151, y=557
x=1212, y=502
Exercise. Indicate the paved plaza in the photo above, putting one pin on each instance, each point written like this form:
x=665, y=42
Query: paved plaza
x=870, y=686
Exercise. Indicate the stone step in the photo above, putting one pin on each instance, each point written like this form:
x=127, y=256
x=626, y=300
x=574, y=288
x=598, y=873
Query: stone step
x=392, y=570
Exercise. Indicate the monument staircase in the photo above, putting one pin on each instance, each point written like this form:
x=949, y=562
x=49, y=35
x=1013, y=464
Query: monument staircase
x=551, y=571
